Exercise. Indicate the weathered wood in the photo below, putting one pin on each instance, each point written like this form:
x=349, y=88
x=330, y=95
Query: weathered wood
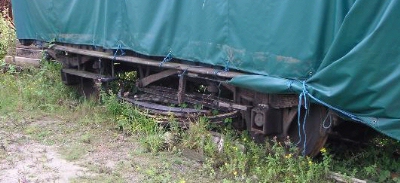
x=232, y=105
x=149, y=62
x=155, y=77
x=342, y=178
x=30, y=52
x=22, y=61
x=86, y=74
x=181, y=89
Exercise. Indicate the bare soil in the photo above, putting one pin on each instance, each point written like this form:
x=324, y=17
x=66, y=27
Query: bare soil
x=57, y=150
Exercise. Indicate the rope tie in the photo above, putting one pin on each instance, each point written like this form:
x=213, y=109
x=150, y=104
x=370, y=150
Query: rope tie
x=330, y=121
x=216, y=71
x=289, y=85
x=303, y=96
x=226, y=69
x=122, y=52
x=166, y=59
x=351, y=116
x=303, y=100
x=183, y=73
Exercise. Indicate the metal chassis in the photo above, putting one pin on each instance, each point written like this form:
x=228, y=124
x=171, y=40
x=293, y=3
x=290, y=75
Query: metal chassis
x=262, y=114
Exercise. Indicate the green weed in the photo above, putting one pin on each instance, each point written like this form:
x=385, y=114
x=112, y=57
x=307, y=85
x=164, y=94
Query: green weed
x=379, y=161
x=7, y=36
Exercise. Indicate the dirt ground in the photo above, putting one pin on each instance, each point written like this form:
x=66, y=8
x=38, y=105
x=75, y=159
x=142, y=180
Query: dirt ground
x=34, y=162
x=55, y=150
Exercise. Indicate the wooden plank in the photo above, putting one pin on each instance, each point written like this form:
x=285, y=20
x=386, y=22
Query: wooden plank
x=342, y=178
x=28, y=53
x=136, y=60
x=232, y=105
x=181, y=89
x=22, y=61
x=84, y=74
x=155, y=77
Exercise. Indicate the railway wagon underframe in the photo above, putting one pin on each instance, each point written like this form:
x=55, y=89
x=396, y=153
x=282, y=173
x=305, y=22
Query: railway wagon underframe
x=165, y=88
x=258, y=62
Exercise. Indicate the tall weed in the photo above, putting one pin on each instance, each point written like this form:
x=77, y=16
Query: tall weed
x=7, y=34
x=34, y=90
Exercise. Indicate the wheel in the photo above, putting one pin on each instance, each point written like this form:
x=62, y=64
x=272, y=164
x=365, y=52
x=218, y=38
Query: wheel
x=314, y=131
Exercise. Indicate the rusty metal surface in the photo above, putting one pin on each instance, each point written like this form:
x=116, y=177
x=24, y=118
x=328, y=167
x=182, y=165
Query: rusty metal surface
x=157, y=102
x=283, y=101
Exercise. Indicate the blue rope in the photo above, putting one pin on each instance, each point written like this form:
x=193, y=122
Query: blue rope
x=183, y=73
x=330, y=121
x=351, y=116
x=216, y=71
x=166, y=59
x=289, y=85
x=226, y=69
x=303, y=96
x=116, y=52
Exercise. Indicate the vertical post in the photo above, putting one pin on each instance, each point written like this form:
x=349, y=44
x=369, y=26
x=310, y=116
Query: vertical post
x=181, y=89
x=112, y=68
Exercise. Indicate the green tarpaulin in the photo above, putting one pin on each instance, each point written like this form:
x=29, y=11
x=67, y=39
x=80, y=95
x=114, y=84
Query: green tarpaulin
x=344, y=53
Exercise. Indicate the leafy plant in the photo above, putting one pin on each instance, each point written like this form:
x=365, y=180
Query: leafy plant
x=378, y=161
x=7, y=34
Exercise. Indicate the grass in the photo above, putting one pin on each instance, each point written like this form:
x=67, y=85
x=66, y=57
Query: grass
x=39, y=94
x=377, y=160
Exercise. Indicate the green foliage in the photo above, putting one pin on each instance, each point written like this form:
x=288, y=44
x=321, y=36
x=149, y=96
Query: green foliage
x=34, y=89
x=133, y=121
x=378, y=161
x=273, y=162
x=231, y=157
x=195, y=136
x=127, y=81
x=7, y=34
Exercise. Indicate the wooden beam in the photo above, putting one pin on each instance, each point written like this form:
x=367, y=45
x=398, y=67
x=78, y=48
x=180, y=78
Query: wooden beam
x=22, y=61
x=155, y=77
x=143, y=61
